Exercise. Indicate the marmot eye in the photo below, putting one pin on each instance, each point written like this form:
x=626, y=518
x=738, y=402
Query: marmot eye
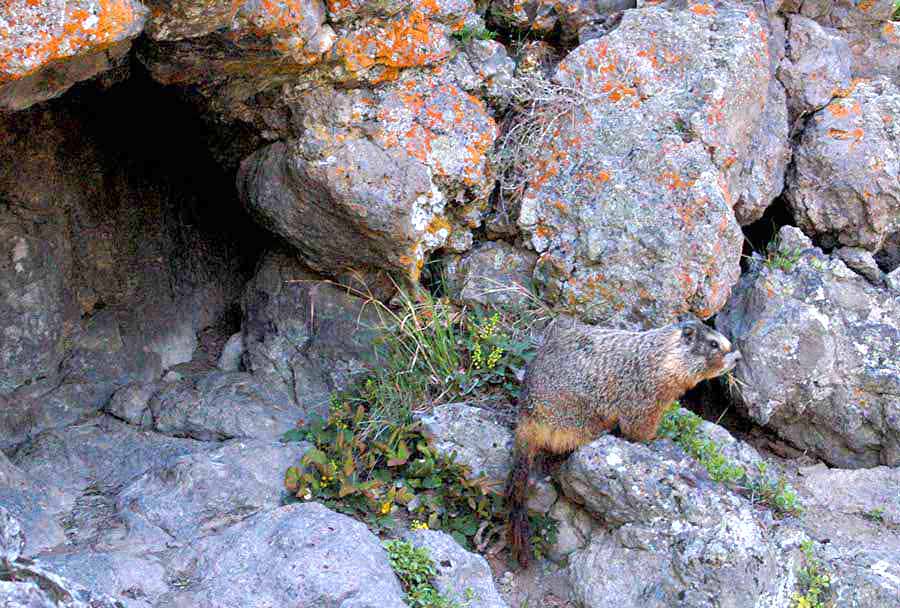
x=714, y=345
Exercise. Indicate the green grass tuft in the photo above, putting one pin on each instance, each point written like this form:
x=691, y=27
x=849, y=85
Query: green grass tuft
x=683, y=427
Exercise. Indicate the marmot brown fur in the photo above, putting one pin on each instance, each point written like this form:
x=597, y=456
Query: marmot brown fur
x=586, y=380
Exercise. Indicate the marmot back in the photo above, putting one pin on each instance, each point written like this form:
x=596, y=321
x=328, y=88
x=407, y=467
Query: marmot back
x=586, y=380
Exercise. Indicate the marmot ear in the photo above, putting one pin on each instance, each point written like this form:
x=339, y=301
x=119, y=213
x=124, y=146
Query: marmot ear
x=688, y=332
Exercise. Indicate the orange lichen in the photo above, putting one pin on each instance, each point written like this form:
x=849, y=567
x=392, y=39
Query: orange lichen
x=838, y=110
x=703, y=9
x=403, y=42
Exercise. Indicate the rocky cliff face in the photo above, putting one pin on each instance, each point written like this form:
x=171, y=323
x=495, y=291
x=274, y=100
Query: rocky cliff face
x=202, y=202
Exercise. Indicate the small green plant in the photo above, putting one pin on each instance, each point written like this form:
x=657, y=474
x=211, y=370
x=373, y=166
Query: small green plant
x=544, y=532
x=784, y=261
x=496, y=356
x=376, y=480
x=876, y=515
x=896, y=15
x=683, y=427
x=416, y=571
x=468, y=33
x=814, y=582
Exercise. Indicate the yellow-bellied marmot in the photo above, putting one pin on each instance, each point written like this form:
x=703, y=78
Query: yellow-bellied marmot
x=585, y=380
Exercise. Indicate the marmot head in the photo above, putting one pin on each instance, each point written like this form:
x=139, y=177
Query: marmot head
x=709, y=353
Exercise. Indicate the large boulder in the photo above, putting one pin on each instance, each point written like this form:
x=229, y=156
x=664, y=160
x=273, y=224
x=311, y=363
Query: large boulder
x=820, y=348
x=46, y=47
x=200, y=493
x=836, y=191
x=629, y=202
x=376, y=179
x=300, y=555
x=671, y=536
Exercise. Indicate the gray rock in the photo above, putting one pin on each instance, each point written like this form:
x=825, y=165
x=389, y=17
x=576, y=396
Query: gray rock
x=863, y=263
x=200, y=493
x=12, y=538
x=305, y=337
x=493, y=273
x=35, y=506
x=539, y=17
x=855, y=492
x=864, y=578
x=834, y=191
x=574, y=529
x=766, y=164
x=300, y=555
x=542, y=495
x=230, y=359
x=673, y=536
x=892, y=279
x=622, y=482
x=30, y=585
x=820, y=348
x=101, y=452
x=474, y=436
x=131, y=403
x=816, y=66
x=215, y=406
x=135, y=575
x=32, y=309
x=629, y=205
x=462, y=576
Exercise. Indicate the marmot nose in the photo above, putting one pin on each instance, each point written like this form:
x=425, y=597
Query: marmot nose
x=737, y=355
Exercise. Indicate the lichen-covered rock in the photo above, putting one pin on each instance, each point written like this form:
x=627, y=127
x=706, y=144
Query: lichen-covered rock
x=843, y=187
x=462, y=576
x=232, y=352
x=301, y=555
x=493, y=273
x=820, y=349
x=673, y=536
x=816, y=67
x=474, y=436
x=303, y=337
x=866, y=25
x=46, y=47
x=196, y=494
x=377, y=179
x=416, y=35
x=629, y=203
x=768, y=159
